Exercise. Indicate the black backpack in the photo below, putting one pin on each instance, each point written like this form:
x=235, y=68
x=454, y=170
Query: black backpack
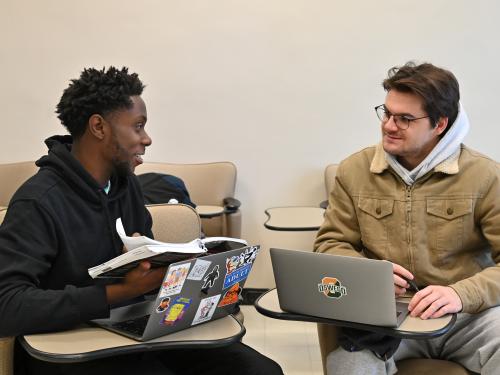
x=161, y=188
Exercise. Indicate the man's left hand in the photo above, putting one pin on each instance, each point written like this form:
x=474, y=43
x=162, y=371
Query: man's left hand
x=435, y=301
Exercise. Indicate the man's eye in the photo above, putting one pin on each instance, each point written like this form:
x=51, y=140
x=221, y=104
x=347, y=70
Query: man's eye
x=139, y=126
x=407, y=119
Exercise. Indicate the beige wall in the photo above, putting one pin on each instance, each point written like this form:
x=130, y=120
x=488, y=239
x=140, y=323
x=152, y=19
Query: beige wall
x=281, y=88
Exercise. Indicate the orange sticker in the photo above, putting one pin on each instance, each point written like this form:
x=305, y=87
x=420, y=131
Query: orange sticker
x=231, y=295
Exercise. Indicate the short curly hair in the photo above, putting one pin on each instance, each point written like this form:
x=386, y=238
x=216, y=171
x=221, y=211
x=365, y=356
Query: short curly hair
x=96, y=92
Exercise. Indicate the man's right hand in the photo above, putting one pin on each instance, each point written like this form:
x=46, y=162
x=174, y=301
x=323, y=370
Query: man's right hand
x=140, y=280
x=400, y=276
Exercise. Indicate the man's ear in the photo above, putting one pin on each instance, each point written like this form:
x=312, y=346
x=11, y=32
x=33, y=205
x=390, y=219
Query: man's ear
x=441, y=125
x=96, y=126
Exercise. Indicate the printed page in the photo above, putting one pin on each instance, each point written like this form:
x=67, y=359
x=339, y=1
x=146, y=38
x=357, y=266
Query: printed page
x=133, y=242
x=139, y=248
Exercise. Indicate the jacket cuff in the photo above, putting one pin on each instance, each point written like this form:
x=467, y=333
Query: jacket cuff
x=471, y=301
x=92, y=302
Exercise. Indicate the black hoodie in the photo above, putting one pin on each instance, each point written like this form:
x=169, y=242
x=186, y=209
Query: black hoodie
x=59, y=223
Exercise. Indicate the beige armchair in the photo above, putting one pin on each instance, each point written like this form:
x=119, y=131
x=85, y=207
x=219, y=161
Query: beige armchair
x=211, y=186
x=12, y=176
x=327, y=333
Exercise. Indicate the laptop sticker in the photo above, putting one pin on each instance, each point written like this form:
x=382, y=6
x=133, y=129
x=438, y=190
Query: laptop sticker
x=177, y=310
x=332, y=287
x=231, y=296
x=206, y=309
x=174, y=280
x=164, y=303
x=246, y=257
x=199, y=269
x=238, y=267
x=210, y=278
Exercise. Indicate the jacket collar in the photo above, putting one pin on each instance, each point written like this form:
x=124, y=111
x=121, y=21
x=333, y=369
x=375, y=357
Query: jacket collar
x=448, y=166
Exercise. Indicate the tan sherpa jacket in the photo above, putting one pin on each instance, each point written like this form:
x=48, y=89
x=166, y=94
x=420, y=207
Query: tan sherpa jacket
x=445, y=229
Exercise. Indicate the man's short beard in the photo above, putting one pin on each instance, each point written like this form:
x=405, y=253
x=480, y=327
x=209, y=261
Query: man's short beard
x=122, y=169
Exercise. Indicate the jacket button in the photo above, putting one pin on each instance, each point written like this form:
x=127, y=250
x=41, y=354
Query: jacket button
x=449, y=211
x=378, y=210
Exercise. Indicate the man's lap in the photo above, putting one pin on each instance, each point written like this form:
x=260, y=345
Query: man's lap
x=472, y=341
x=235, y=358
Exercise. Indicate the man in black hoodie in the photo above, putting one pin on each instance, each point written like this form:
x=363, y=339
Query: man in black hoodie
x=61, y=222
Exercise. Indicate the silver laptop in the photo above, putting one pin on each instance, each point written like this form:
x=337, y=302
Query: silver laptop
x=337, y=287
x=193, y=291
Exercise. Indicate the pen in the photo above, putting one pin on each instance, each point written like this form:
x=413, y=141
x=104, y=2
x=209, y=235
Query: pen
x=413, y=285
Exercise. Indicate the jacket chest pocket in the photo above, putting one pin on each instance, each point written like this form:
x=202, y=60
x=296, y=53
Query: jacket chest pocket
x=447, y=221
x=374, y=218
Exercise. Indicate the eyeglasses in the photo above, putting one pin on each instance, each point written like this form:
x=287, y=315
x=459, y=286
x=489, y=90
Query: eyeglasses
x=401, y=121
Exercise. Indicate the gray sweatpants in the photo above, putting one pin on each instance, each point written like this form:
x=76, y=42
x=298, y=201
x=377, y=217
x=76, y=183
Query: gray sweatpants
x=474, y=342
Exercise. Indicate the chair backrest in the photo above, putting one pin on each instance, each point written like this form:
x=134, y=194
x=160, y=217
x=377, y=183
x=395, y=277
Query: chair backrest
x=330, y=172
x=207, y=183
x=12, y=176
x=174, y=223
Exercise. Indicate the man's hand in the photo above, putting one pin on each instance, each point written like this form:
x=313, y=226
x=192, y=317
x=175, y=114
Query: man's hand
x=400, y=276
x=435, y=301
x=140, y=280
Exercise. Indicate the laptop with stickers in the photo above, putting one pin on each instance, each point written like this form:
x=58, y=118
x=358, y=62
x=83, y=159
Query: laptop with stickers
x=337, y=287
x=193, y=291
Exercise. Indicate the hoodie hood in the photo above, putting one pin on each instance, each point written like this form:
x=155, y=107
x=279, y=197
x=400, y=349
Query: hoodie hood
x=62, y=162
x=446, y=150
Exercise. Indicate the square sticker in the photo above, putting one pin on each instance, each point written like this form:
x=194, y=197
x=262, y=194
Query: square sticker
x=174, y=280
x=206, y=309
x=199, y=269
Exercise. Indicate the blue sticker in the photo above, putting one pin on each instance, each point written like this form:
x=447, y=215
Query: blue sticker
x=237, y=275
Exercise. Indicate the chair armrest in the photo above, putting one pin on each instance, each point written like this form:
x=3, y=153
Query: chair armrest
x=231, y=205
x=323, y=204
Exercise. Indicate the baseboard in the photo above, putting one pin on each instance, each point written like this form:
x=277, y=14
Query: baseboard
x=251, y=294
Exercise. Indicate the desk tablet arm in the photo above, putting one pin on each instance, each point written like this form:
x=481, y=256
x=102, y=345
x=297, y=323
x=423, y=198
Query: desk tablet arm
x=231, y=205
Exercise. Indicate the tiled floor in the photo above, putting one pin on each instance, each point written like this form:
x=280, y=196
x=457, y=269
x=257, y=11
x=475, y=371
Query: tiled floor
x=294, y=345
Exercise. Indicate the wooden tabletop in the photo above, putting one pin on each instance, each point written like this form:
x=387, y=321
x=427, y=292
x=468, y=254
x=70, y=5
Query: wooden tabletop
x=415, y=328
x=298, y=218
x=209, y=211
x=90, y=342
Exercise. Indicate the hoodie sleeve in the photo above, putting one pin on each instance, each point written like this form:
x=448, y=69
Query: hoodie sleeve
x=29, y=249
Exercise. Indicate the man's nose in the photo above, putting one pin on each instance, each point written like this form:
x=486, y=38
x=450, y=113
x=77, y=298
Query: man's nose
x=146, y=140
x=390, y=125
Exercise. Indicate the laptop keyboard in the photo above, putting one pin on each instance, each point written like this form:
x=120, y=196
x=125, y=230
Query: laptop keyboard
x=135, y=326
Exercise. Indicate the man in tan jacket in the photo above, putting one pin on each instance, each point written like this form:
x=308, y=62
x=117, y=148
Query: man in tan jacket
x=427, y=203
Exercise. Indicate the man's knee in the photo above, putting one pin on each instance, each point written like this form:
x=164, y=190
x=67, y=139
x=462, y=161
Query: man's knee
x=343, y=362
x=254, y=363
